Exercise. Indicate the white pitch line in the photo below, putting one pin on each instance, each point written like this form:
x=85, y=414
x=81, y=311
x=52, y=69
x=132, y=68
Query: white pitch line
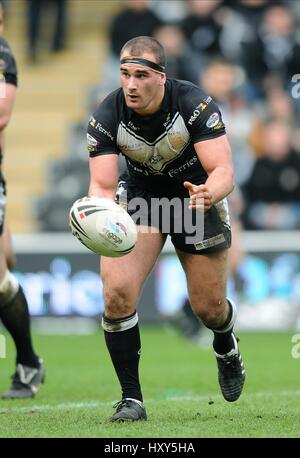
x=49, y=407
x=98, y=404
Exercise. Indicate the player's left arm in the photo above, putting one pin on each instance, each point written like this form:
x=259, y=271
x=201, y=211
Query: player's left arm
x=216, y=158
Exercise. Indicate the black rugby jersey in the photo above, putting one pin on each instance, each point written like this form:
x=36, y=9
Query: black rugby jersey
x=8, y=67
x=158, y=148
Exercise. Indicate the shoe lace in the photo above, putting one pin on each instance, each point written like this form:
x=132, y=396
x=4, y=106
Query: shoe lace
x=231, y=364
x=120, y=404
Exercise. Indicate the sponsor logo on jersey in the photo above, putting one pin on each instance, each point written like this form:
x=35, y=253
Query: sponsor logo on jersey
x=168, y=120
x=208, y=243
x=91, y=140
x=198, y=110
x=183, y=167
x=218, y=126
x=132, y=126
x=213, y=120
x=98, y=126
x=137, y=169
x=207, y=100
x=202, y=106
x=133, y=147
x=194, y=116
x=92, y=121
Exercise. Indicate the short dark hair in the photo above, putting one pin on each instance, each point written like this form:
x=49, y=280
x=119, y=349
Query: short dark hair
x=139, y=45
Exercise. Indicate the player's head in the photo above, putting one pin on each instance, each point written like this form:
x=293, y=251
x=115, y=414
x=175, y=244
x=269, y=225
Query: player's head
x=143, y=77
x=146, y=45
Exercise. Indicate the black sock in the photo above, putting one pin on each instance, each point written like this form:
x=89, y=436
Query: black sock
x=223, y=341
x=124, y=348
x=15, y=317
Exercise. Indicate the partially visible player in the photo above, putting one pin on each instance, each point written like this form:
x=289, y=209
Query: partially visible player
x=9, y=254
x=14, y=312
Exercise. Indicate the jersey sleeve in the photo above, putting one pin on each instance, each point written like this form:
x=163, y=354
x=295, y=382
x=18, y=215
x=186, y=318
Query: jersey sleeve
x=203, y=117
x=8, y=66
x=101, y=131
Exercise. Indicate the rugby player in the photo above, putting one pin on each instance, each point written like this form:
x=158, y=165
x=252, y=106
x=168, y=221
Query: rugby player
x=173, y=138
x=14, y=314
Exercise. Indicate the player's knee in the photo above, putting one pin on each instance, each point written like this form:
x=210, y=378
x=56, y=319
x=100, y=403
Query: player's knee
x=119, y=301
x=9, y=287
x=211, y=312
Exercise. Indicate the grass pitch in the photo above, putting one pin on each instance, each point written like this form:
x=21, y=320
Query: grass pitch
x=179, y=381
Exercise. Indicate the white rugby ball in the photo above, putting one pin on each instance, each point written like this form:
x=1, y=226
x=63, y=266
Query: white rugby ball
x=103, y=226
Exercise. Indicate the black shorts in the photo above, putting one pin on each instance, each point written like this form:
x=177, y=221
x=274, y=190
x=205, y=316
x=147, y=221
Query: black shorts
x=191, y=231
x=2, y=202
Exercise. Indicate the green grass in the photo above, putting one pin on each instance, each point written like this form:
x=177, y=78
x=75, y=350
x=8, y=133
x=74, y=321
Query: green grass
x=180, y=388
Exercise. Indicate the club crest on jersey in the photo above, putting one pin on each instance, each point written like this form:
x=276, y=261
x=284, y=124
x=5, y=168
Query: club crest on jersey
x=155, y=159
x=213, y=120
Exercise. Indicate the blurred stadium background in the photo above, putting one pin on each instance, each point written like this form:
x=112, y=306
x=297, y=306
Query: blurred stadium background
x=246, y=54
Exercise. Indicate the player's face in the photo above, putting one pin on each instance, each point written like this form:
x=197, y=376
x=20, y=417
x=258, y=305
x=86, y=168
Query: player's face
x=143, y=87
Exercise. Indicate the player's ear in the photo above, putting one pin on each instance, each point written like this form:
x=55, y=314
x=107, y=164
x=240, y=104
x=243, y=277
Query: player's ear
x=162, y=79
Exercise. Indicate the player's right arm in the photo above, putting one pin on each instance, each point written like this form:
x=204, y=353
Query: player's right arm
x=104, y=172
x=103, y=150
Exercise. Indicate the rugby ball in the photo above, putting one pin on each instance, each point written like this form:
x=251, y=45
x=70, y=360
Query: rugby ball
x=103, y=226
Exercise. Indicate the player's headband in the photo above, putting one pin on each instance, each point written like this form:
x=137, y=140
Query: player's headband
x=146, y=62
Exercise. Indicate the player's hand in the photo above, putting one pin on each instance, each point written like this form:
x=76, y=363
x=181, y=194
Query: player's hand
x=200, y=196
